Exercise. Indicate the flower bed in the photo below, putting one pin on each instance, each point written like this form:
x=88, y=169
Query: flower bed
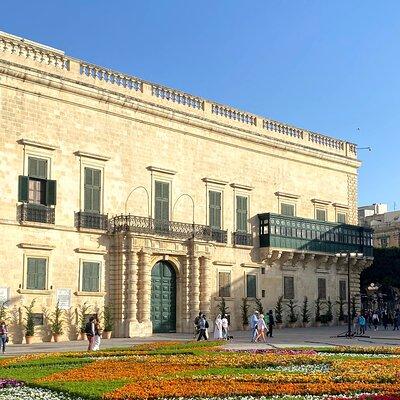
x=189, y=370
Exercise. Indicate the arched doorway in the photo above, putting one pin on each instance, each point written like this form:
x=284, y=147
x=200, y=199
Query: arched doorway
x=163, y=297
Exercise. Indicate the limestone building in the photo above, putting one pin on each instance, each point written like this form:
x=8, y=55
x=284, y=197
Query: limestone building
x=159, y=203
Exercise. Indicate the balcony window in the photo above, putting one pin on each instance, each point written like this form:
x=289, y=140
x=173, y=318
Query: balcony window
x=90, y=276
x=214, y=208
x=321, y=288
x=224, y=284
x=92, y=190
x=287, y=209
x=241, y=214
x=320, y=215
x=288, y=287
x=36, y=273
x=341, y=218
x=251, y=286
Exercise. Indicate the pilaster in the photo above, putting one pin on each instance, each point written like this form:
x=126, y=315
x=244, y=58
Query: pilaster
x=205, y=285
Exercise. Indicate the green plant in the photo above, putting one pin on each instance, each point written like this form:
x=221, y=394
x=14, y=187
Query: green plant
x=3, y=311
x=222, y=307
x=292, y=313
x=29, y=320
x=305, y=312
x=83, y=310
x=108, y=319
x=57, y=321
x=318, y=310
x=340, y=303
x=329, y=312
x=279, y=310
x=259, y=306
x=245, y=311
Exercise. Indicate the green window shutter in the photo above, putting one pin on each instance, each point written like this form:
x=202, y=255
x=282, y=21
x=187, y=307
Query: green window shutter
x=320, y=215
x=224, y=284
x=322, y=288
x=51, y=193
x=287, y=209
x=288, y=287
x=214, y=199
x=23, y=188
x=241, y=214
x=251, y=285
x=90, y=276
x=161, y=203
x=36, y=274
x=341, y=218
x=92, y=190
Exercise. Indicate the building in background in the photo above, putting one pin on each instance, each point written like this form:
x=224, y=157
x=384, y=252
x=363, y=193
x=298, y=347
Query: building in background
x=159, y=203
x=385, y=224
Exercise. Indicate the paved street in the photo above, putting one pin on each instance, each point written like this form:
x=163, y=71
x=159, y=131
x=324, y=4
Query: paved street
x=310, y=337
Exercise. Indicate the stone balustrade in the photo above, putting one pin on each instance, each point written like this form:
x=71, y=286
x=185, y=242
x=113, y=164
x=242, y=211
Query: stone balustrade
x=47, y=56
x=231, y=113
x=177, y=97
x=29, y=51
x=112, y=77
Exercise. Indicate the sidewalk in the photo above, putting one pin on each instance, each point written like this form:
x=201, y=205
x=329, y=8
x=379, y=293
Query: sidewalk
x=297, y=337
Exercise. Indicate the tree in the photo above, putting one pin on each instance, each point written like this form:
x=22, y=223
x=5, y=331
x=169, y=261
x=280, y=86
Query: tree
x=83, y=310
x=279, y=310
x=29, y=320
x=318, y=310
x=292, y=313
x=329, y=311
x=305, y=312
x=57, y=321
x=108, y=319
x=245, y=311
x=341, y=302
x=222, y=307
x=259, y=306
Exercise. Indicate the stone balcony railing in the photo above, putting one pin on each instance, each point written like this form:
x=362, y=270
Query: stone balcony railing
x=44, y=58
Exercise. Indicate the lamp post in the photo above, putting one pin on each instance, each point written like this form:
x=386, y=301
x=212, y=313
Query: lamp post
x=348, y=255
x=191, y=198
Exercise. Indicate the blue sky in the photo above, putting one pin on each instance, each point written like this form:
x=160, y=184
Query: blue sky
x=327, y=66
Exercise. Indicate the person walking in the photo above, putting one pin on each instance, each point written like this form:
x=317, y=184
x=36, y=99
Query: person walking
x=362, y=322
x=375, y=320
x=97, y=335
x=253, y=325
x=90, y=331
x=202, y=328
x=271, y=323
x=385, y=320
x=196, y=324
x=261, y=328
x=356, y=325
x=3, y=336
x=218, y=327
x=225, y=325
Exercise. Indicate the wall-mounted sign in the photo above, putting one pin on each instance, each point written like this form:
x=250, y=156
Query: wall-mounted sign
x=64, y=298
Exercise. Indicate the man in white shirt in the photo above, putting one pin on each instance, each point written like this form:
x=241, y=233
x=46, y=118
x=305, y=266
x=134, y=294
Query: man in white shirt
x=225, y=325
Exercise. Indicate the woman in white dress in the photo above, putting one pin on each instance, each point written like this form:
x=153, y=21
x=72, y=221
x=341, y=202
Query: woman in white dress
x=218, y=327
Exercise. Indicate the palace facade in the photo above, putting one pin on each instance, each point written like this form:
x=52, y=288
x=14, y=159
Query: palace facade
x=159, y=203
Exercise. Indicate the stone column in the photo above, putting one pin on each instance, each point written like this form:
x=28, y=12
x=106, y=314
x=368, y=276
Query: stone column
x=185, y=295
x=145, y=287
x=205, y=286
x=194, y=302
x=131, y=298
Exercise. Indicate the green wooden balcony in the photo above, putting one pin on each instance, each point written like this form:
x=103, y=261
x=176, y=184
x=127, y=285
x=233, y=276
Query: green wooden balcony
x=281, y=231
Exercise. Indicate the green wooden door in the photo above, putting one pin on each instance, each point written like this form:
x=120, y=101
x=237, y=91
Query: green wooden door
x=163, y=298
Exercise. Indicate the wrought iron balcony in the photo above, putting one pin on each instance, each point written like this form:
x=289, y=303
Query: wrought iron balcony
x=219, y=236
x=91, y=220
x=36, y=213
x=310, y=235
x=180, y=230
x=243, y=238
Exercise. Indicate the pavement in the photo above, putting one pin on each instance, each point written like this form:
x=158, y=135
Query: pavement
x=284, y=338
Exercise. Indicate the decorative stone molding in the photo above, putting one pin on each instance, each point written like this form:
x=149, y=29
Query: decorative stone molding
x=41, y=145
x=339, y=205
x=242, y=187
x=215, y=181
x=90, y=294
x=36, y=246
x=287, y=195
x=92, y=155
x=322, y=202
x=160, y=170
x=35, y=292
x=90, y=251
x=352, y=193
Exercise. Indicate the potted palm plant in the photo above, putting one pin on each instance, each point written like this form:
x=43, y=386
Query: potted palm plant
x=108, y=323
x=29, y=323
x=57, y=323
x=245, y=313
x=292, y=318
x=305, y=313
x=318, y=312
x=329, y=312
x=83, y=311
x=279, y=313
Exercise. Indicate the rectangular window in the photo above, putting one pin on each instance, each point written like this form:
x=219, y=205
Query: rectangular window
x=90, y=276
x=287, y=209
x=320, y=215
x=288, y=287
x=384, y=241
x=322, y=288
x=37, y=173
x=92, y=190
x=341, y=218
x=262, y=293
x=36, y=273
x=342, y=290
x=161, y=201
x=38, y=319
x=241, y=214
x=214, y=200
x=224, y=284
x=251, y=285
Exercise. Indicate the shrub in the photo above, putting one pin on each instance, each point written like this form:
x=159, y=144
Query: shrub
x=292, y=313
x=329, y=312
x=279, y=310
x=108, y=319
x=83, y=310
x=56, y=320
x=340, y=302
x=222, y=307
x=259, y=306
x=245, y=311
x=29, y=321
x=305, y=313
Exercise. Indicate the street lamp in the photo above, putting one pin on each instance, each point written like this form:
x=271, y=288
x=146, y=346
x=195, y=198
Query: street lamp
x=348, y=255
x=191, y=198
